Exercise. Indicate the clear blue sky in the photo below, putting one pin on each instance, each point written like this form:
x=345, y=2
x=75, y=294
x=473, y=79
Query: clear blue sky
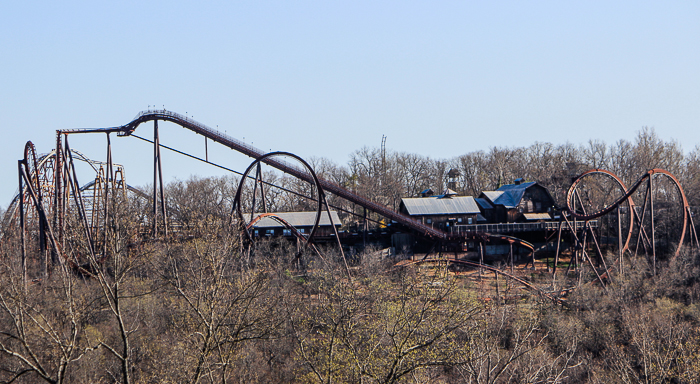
x=324, y=78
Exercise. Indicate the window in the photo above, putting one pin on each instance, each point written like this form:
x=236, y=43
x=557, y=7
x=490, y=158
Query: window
x=287, y=232
x=429, y=221
x=469, y=220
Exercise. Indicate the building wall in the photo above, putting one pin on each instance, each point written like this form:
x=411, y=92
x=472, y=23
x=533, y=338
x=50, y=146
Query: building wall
x=535, y=200
x=442, y=221
x=281, y=231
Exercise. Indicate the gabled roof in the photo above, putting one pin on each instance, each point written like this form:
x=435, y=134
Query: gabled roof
x=494, y=196
x=454, y=205
x=298, y=219
x=517, y=187
x=448, y=192
x=508, y=195
x=483, y=203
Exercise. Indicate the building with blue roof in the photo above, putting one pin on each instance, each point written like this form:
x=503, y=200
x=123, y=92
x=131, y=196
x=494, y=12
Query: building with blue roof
x=518, y=202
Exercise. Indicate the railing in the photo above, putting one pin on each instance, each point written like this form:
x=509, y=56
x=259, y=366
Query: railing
x=211, y=133
x=521, y=227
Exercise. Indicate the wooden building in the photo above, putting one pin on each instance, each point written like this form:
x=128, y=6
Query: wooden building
x=517, y=202
x=303, y=222
x=443, y=211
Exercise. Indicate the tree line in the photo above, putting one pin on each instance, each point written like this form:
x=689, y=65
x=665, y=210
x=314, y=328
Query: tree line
x=201, y=307
x=388, y=176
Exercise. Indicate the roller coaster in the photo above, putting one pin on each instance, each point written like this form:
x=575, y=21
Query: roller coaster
x=47, y=184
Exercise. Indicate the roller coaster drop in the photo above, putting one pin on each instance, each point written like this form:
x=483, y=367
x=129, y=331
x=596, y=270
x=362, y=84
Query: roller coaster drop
x=47, y=184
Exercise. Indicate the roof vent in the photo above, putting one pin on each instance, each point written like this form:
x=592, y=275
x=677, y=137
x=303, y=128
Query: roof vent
x=519, y=181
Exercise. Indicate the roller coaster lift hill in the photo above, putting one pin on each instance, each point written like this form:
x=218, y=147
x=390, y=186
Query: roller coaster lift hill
x=47, y=185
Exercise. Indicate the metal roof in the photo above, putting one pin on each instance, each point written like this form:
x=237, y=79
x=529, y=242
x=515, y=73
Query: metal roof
x=298, y=219
x=455, y=205
x=500, y=198
x=537, y=216
x=449, y=192
x=508, y=195
x=483, y=203
x=516, y=191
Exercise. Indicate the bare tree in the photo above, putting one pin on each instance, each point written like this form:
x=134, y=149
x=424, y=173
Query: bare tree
x=201, y=204
x=474, y=174
x=383, y=331
x=42, y=327
x=225, y=306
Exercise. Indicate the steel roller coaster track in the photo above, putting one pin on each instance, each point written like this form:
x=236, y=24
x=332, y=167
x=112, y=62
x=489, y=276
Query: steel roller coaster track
x=30, y=177
x=34, y=177
x=626, y=197
x=248, y=150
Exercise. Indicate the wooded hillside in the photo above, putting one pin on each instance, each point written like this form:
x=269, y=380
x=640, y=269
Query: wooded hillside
x=198, y=307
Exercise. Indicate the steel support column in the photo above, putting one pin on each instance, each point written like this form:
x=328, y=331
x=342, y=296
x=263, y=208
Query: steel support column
x=653, y=234
x=78, y=198
x=22, y=225
x=108, y=179
x=158, y=184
